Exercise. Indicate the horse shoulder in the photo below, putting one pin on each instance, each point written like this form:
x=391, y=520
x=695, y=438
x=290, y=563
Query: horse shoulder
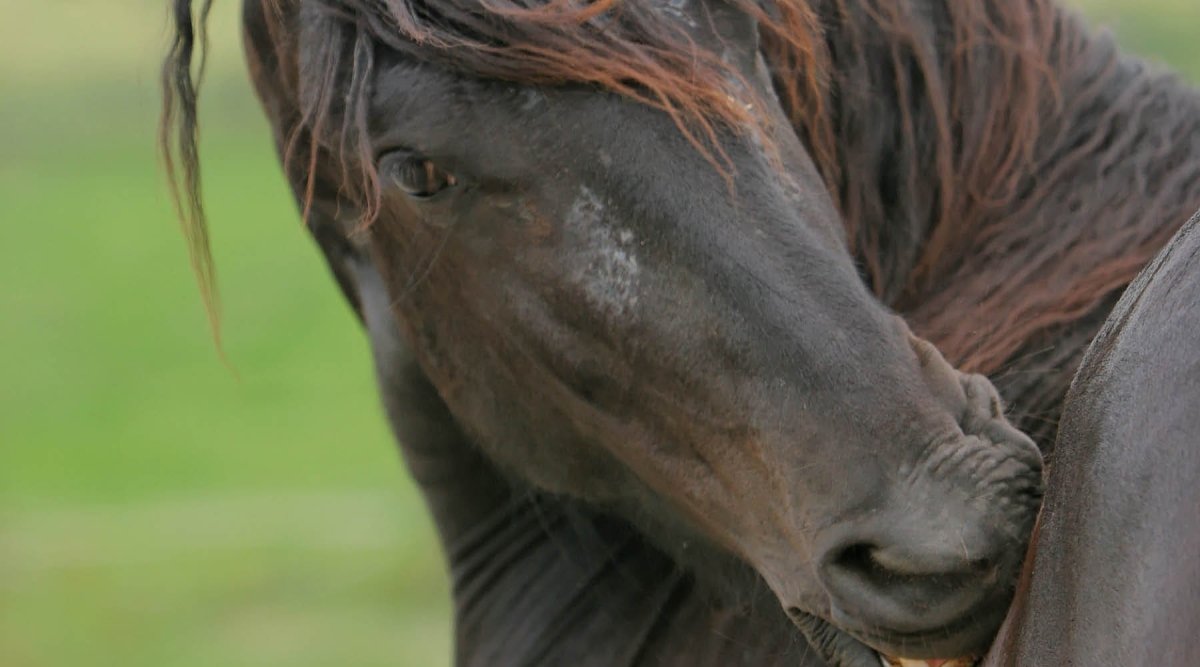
x=1114, y=577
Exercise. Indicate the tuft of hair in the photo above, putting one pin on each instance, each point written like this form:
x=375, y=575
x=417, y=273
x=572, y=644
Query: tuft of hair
x=179, y=133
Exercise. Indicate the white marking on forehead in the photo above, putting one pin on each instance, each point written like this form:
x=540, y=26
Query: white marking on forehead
x=608, y=269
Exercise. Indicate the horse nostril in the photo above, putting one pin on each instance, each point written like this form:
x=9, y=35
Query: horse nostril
x=859, y=560
x=907, y=584
x=893, y=563
x=856, y=557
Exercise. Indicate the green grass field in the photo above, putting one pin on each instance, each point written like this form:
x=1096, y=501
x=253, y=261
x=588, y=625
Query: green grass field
x=156, y=510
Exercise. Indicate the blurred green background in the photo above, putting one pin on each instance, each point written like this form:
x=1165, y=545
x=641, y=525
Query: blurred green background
x=154, y=509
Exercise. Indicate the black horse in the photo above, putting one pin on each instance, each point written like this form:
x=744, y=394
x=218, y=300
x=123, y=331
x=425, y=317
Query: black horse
x=1113, y=577
x=642, y=280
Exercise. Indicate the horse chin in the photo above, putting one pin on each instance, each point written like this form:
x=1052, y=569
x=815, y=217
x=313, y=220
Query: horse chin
x=905, y=662
x=840, y=649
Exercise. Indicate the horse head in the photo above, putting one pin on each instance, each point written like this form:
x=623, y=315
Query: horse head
x=616, y=260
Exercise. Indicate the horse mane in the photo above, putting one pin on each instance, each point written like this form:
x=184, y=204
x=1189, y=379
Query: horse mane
x=933, y=124
x=1005, y=180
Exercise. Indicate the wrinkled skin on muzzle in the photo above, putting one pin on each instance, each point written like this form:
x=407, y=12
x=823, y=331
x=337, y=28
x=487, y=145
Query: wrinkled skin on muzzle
x=614, y=319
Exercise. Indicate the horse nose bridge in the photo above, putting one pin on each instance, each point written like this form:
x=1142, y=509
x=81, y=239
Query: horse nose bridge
x=853, y=451
x=866, y=359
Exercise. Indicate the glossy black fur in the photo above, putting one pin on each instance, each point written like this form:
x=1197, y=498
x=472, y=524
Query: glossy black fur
x=1114, y=577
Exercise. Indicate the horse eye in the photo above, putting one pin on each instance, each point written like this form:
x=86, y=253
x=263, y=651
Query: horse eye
x=418, y=177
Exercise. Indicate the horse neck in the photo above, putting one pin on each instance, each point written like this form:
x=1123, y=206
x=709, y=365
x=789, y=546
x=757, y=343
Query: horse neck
x=1003, y=186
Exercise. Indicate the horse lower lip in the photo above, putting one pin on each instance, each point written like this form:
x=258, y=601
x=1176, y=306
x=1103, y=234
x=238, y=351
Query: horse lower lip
x=939, y=662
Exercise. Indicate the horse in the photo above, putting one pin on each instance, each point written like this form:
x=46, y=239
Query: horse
x=696, y=320
x=1112, y=578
